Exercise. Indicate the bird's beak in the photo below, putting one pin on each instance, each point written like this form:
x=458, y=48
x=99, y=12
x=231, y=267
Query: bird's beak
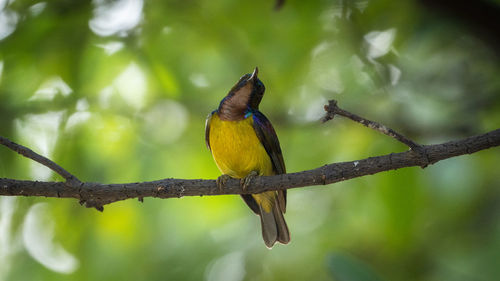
x=254, y=75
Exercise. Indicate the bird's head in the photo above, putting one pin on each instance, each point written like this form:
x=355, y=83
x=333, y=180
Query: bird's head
x=246, y=94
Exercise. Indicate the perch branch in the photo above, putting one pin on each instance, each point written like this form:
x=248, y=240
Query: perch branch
x=96, y=194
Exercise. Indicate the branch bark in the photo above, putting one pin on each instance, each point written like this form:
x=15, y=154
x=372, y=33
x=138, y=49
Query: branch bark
x=96, y=194
x=332, y=109
x=28, y=153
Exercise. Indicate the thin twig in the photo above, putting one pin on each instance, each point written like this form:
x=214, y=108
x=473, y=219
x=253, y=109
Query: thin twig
x=332, y=109
x=28, y=153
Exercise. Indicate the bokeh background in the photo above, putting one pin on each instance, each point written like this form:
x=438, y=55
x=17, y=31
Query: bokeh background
x=118, y=91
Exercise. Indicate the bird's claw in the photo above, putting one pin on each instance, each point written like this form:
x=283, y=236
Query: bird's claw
x=221, y=182
x=245, y=182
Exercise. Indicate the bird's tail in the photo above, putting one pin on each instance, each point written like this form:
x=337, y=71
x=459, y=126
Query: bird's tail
x=274, y=228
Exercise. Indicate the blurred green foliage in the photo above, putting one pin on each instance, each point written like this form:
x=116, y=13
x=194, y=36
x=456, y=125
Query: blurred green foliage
x=118, y=91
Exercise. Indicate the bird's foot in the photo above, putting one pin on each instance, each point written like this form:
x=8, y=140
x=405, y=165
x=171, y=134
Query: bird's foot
x=245, y=182
x=221, y=182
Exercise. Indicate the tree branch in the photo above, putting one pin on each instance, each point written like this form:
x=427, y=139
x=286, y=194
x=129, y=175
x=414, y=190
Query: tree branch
x=97, y=194
x=332, y=109
x=28, y=153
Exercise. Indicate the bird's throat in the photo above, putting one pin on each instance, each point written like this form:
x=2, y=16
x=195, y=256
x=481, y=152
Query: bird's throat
x=235, y=104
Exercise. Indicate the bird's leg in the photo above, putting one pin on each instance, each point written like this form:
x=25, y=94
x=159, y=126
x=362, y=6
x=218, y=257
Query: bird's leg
x=221, y=182
x=245, y=182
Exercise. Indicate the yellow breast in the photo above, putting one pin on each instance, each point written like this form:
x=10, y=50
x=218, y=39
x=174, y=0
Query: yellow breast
x=236, y=148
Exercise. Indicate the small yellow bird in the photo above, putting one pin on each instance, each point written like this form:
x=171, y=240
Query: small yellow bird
x=244, y=145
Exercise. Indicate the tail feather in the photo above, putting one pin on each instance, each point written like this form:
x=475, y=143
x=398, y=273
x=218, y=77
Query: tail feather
x=283, y=233
x=274, y=227
x=269, y=229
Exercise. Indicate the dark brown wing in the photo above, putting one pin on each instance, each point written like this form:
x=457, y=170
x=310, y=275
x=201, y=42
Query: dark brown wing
x=207, y=129
x=251, y=203
x=267, y=136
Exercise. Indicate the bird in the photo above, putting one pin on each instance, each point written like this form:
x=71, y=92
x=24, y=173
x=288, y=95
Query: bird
x=244, y=145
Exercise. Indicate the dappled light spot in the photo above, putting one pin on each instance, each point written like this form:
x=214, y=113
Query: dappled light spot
x=113, y=134
x=329, y=16
x=76, y=119
x=328, y=79
x=395, y=74
x=379, y=42
x=8, y=20
x=166, y=30
x=111, y=47
x=1, y=70
x=82, y=104
x=323, y=74
x=50, y=88
x=105, y=96
x=131, y=85
x=80, y=116
x=165, y=122
x=312, y=113
x=40, y=132
x=358, y=66
x=304, y=107
x=39, y=171
x=37, y=8
x=199, y=80
x=38, y=236
x=115, y=17
x=7, y=207
x=230, y=267
x=321, y=47
x=7, y=245
x=361, y=5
